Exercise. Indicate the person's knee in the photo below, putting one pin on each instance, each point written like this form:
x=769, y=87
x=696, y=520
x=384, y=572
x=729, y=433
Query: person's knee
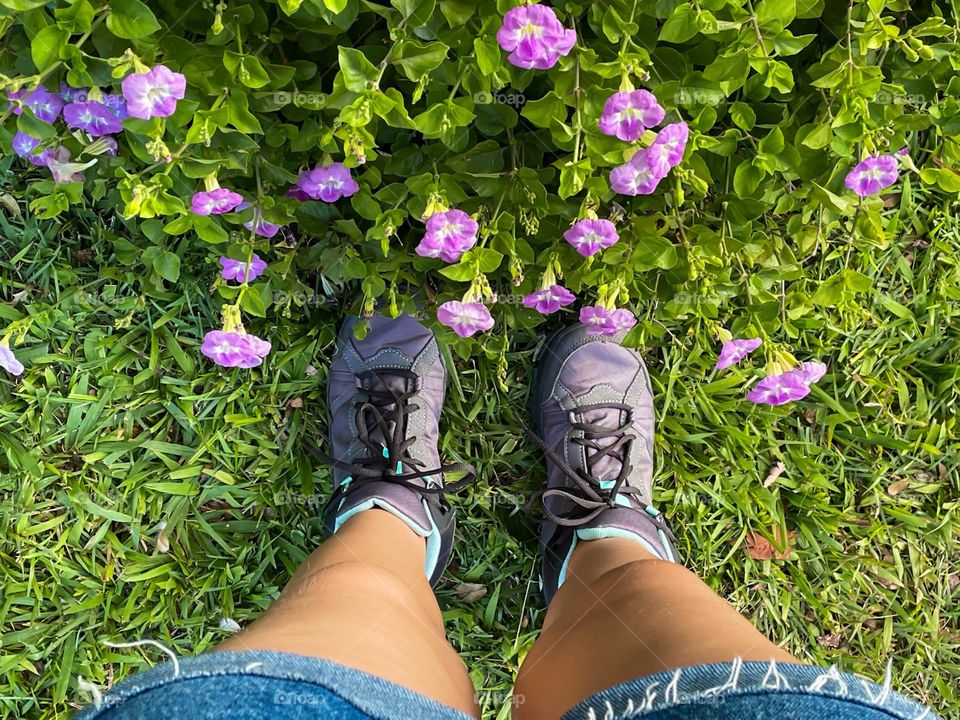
x=641, y=575
x=348, y=578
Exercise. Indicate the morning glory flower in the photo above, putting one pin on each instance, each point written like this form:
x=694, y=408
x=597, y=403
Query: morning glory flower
x=449, y=235
x=548, y=300
x=8, y=360
x=71, y=94
x=666, y=152
x=215, y=202
x=234, y=349
x=154, y=93
x=589, y=236
x=734, y=351
x=234, y=269
x=296, y=190
x=872, y=175
x=117, y=105
x=627, y=114
x=64, y=171
x=24, y=146
x=778, y=389
x=92, y=117
x=257, y=224
x=810, y=372
x=465, y=319
x=328, y=183
x=534, y=37
x=44, y=104
x=637, y=176
x=604, y=321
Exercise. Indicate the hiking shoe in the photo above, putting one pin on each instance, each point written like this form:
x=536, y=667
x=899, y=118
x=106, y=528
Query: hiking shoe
x=592, y=408
x=385, y=394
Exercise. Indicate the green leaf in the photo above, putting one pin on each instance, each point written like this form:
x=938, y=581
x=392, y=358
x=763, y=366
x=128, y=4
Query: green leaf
x=415, y=12
x=76, y=18
x=488, y=54
x=680, y=26
x=941, y=177
x=358, y=72
x=543, y=111
x=336, y=6
x=743, y=116
x=418, y=59
x=746, y=178
x=131, y=19
x=45, y=46
x=167, y=265
x=775, y=15
x=246, y=68
x=23, y=5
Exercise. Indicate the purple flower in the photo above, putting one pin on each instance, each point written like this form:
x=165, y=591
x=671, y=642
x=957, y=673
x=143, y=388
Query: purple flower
x=296, y=190
x=257, y=223
x=92, y=117
x=235, y=269
x=549, y=300
x=234, y=349
x=590, y=236
x=62, y=170
x=215, y=202
x=24, y=146
x=449, y=235
x=627, y=114
x=328, y=183
x=603, y=321
x=534, y=37
x=872, y=175
x=9, y=362
x=117, y=105
x=44, y=104
x=734, y=351
x=71, y=94
x=154, y=93
x=810, y=372
x=778, y=389
x=636, y=176
x=465, y=318
x=667, y=150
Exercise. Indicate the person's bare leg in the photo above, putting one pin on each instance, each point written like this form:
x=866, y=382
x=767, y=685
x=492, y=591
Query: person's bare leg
x=362, y=600
x=621, y=614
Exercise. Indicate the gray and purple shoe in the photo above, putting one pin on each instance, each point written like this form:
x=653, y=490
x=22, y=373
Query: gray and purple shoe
x=385, y=393
x=592, y=408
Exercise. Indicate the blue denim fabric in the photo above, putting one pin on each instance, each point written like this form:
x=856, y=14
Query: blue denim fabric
x=259, y=684
x=280, y=686
x=750, y=691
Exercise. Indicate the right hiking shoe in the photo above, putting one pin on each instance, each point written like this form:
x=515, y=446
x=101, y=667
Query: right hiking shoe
x=592, y=409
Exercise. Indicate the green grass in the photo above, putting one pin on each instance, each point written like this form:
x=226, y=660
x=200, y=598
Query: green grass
x=120, y=428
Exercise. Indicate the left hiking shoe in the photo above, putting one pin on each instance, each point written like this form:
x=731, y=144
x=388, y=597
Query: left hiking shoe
x=385, y=393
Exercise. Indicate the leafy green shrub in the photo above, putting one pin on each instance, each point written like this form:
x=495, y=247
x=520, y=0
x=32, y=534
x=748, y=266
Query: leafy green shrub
x=418, y=100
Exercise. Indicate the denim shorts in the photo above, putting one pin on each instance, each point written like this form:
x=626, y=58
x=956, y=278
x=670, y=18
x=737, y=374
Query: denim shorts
x=257, y=684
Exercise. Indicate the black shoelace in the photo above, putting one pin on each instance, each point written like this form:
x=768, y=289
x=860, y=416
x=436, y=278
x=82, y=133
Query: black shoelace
x=587, y=494
x=381, y=422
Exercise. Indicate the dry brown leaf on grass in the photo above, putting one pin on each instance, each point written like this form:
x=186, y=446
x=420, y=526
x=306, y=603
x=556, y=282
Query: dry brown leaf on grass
x=775, y=472
x=470, y=592
x=898, y=486
x=760, y=548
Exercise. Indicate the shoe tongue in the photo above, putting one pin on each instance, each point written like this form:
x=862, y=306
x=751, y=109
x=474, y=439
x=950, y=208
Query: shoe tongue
x=377, y=430
x=608, y=467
